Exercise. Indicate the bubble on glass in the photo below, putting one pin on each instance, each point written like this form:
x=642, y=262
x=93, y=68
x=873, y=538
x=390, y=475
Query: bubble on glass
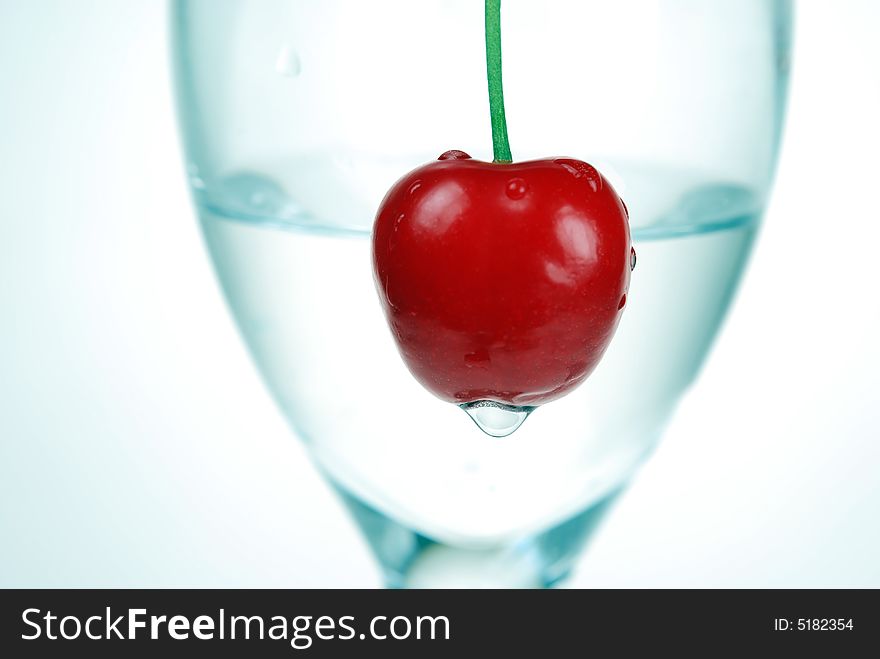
x=496, y=419
x=287, y=62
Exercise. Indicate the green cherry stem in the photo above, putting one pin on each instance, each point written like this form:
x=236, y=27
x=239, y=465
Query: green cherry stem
x=500, y=143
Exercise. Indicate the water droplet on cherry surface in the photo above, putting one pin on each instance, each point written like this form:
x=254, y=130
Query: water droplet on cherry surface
x=582, y=170
x=516, y=189
x=454, y=154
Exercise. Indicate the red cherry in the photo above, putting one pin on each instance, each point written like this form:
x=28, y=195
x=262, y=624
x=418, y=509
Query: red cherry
x=502, y=282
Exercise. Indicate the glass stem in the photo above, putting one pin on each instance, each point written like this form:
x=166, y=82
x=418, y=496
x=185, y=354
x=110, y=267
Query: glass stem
x=500, y=143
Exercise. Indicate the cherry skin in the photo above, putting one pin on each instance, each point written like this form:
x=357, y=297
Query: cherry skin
x=502, y=282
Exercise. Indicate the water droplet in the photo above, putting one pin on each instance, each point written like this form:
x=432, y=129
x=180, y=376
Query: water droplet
x=622, y=303
x=454, y=154
x=625, y=209
x=632, y=258
x=480, y=357
x=255, y=194
x=496, y=419
x=414, y=187
x=195, y=180
x=783, y=63
x=287, y=62
x=582, y=170
x=393, y=238
x=516, y=188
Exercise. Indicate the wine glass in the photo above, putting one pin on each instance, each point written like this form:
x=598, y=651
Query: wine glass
x=297, y=117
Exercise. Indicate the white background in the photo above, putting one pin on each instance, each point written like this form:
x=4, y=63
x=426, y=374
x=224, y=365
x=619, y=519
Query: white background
x=139, y=448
